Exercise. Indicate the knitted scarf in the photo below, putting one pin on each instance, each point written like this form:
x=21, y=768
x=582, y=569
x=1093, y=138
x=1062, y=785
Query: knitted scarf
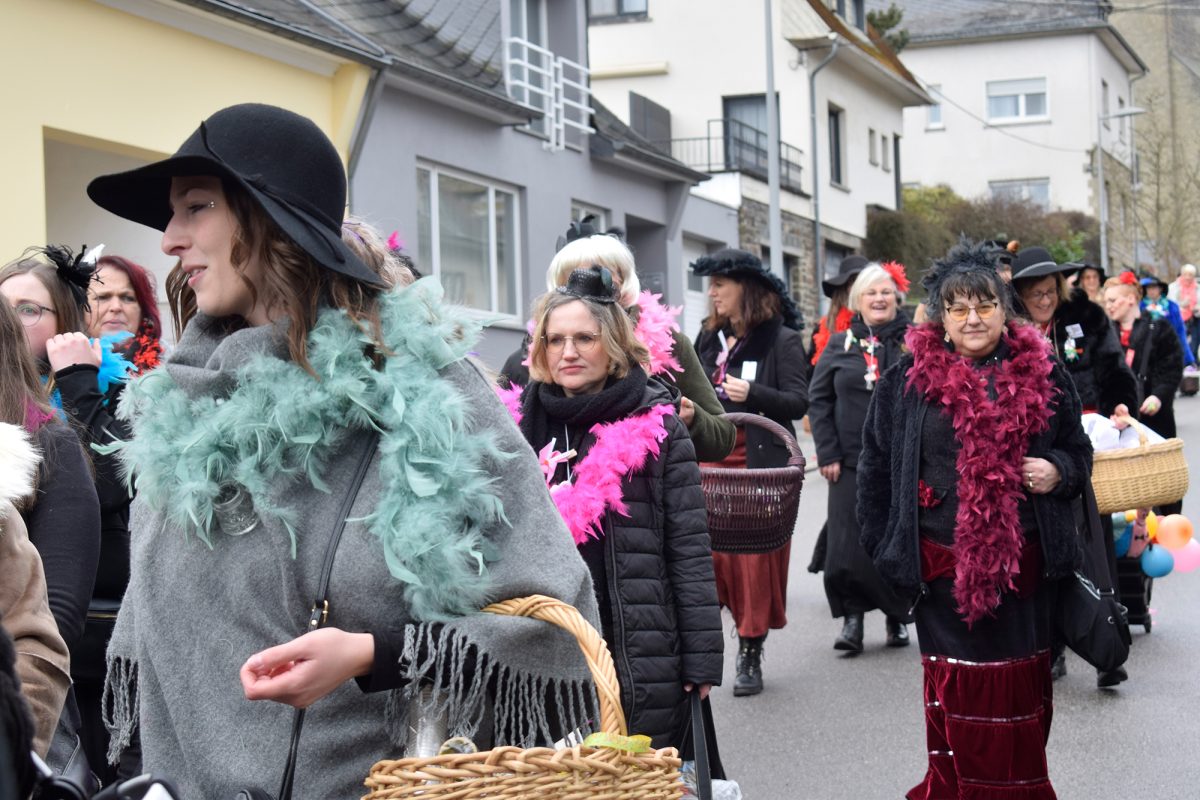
x=994, y=429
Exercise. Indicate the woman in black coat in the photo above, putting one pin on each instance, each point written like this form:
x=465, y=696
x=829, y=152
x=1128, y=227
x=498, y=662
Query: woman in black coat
x=841, y=389
x=1082, y=337
x=1152, y=351
x=623, y=472
x=752, y=350
x=973, y=460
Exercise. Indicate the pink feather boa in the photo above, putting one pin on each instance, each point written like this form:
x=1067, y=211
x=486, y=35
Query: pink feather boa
x=621, y=449
x=994, y=437
x=655, y=328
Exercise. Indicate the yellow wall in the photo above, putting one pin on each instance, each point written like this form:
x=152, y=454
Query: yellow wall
x=84, y=73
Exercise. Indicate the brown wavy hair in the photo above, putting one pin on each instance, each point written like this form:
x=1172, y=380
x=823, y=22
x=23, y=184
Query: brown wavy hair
x=293, y=284
x=67, y=312
x=24, y=399
x=759, y=304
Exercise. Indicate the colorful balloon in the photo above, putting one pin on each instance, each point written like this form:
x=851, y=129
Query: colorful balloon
x=1131, y=515
x=1118, y=522
x=1157, y=562
x=1188, y=559
x=1174, y=532
x=1123, y=541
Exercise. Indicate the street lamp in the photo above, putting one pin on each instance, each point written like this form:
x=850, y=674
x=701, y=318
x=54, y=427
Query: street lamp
x=1128, y=112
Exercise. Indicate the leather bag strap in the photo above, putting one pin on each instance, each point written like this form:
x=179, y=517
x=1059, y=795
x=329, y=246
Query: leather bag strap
x=319, y=613
x=700, y=747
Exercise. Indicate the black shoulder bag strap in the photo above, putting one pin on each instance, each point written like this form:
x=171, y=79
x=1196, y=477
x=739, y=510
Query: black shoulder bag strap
x=1144, y=367
x=319, y=614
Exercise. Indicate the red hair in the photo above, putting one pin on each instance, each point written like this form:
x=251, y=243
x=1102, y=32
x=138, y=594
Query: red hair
x=143, y=290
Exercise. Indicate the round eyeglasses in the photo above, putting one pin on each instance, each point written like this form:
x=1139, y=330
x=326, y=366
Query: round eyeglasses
x=30, y=314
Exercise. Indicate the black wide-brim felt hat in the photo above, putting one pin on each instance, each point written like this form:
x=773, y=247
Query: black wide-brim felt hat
x=1080, y=266
x=281, y=159
x=848, y=268
x=1036, y=262
x=739, y=264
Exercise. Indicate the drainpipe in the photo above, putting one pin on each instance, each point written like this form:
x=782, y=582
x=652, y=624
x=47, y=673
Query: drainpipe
x=365, y=114
x=818, y=247
x=774, y=214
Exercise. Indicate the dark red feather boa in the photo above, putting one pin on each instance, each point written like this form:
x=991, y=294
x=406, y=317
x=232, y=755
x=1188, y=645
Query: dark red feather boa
x=994, y=437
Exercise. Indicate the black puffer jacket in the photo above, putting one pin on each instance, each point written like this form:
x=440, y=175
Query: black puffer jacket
x=1097, y=362
x=654, y=579
x=889, y=467
x=779, y=390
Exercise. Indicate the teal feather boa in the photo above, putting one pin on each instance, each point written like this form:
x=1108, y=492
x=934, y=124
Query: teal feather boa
x=281, y=425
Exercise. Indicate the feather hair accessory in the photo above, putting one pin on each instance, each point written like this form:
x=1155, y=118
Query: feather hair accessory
x=76, y=271
x=896, y=270
x=965, y=257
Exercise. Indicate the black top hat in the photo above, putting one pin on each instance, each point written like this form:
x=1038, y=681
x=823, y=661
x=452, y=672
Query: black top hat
x=849, y=268
x=593, y=283
x=1036, y=262
x=280, y=159
x=740, y=264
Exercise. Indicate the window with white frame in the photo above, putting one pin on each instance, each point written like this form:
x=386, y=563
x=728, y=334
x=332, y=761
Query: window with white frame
x=873, y=148
x=933, y=113
x=1121, y=120
x=1014, y=101
x=1031, y=190
x=616, y=9
x=885, y=150
x=1104, y=107
x=580, y=210
x=837, y=146
x=468, y=237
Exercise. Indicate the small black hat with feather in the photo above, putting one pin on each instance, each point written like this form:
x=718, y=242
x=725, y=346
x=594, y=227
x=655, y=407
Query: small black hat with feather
x=593, y=283
x=76, y=271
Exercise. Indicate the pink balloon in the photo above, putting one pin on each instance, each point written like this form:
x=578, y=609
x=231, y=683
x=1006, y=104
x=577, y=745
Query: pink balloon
x=1188, y=559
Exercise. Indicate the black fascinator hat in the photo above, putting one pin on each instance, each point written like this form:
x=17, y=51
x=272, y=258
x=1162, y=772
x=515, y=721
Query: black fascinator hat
x=593, y=283
x=76, y=271
x=741, y=265
x=282, y=160
x=968, y=267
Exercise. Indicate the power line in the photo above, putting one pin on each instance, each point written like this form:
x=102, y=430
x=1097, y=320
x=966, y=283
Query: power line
x=1000, y=128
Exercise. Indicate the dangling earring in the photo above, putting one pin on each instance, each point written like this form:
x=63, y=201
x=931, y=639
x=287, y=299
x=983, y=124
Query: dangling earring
x=946, y=337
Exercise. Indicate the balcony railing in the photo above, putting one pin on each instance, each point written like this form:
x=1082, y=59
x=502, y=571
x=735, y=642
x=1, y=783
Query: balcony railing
x=556, y=86
x=733, y=146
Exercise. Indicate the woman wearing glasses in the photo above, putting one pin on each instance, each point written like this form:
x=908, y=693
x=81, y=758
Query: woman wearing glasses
x=842, y=385
x=623, y=472
x=64, y=524
x=1078, y=330
x=973, y=457
x=111, y=326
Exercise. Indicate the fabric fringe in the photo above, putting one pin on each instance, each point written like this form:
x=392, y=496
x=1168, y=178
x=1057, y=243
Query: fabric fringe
x=119, y=705
x=437, y=659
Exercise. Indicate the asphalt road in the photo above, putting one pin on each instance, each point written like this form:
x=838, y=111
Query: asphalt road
x=828, y=726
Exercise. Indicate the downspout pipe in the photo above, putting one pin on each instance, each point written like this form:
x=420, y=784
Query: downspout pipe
x=818, y=246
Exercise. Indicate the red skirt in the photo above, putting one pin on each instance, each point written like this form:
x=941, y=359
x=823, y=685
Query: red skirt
x=753, y=586
x=986, y=725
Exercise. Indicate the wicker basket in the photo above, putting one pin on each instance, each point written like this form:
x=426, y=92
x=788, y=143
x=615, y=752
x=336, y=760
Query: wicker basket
x=577, y=773
x=1139, y=477
x=754, y=510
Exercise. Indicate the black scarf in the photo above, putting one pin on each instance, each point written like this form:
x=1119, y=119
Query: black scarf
x=546, y=410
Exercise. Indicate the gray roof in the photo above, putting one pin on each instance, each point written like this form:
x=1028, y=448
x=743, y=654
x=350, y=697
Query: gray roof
x=930, y=21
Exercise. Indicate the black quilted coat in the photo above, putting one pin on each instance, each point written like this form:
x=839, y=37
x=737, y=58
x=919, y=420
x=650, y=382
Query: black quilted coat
x=654, y=579
x=889, y=467
x=1098, y=365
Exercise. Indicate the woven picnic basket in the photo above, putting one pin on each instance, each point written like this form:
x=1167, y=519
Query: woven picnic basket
x=1139, y=477
x=754, y=510
x=576, y=773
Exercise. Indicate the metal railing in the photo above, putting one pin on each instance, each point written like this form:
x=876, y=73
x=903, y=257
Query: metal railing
x=733, y=146
x=556, y=86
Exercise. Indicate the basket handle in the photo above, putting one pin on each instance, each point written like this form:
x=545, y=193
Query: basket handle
x=795, y=457
x=1137, y=426
x=595, y=651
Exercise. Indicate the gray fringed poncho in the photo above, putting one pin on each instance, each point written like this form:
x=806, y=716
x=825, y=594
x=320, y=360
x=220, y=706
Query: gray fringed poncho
x=453, y=514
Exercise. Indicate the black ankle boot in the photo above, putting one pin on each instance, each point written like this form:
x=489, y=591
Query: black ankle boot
x=749, y=666
x=851, y=637
x=897, y=633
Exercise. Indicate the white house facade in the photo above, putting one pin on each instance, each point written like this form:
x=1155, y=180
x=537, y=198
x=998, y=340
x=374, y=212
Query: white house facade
x=696, y=73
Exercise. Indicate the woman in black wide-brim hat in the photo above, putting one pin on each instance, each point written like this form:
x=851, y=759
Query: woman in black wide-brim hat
x=751, y=348
x=303, y=397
